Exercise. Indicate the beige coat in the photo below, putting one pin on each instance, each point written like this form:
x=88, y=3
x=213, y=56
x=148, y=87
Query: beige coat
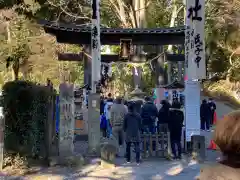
x=118, y=111
x=219, y=172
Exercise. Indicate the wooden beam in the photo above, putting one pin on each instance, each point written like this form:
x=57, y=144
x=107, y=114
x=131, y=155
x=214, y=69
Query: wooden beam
x=70, y=56
x=175, y=57
x=108, y=58
x=114, y=39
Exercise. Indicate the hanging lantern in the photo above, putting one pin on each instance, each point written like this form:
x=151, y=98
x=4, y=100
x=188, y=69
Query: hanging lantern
x=125, y=45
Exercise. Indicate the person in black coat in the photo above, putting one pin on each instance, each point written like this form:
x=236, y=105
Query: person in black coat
x=132, y=128
x=163, y=114
x=149, y=114
x=205, y=115
x=175, y=124
x=213, y=109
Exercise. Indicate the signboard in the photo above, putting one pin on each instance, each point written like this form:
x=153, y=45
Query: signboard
x=194, y=40
x=192, y=109
x=78, y=108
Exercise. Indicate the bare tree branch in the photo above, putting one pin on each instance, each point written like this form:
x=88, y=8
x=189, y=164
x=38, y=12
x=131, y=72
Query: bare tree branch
x=179, y=9
x=122, y=12
x=63, y=9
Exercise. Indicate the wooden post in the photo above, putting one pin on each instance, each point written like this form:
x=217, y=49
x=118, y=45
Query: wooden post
x=144, y=146
x=151, y=145
x=157, y=144
x=162, y=143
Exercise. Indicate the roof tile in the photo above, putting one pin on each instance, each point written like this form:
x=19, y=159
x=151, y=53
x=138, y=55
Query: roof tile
x=87, y=28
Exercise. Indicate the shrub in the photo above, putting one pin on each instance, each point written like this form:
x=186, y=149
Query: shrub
x=25, y=105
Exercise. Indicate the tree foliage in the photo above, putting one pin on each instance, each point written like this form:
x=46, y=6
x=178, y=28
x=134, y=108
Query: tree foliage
x=29, y=51
x=223, y=35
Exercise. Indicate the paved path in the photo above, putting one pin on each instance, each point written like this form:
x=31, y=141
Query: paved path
x=157, y=169
x=148, y=170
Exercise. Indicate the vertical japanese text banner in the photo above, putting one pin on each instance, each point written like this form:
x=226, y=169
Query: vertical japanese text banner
x=188, y=25
x=196, y=63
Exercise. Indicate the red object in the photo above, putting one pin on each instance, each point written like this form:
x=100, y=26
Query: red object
x=185, y=78
x=214, y=118
x=212, y=145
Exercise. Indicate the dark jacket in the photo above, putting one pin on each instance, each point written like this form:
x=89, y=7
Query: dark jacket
x=212, y=106
x=149, y=113
x=175, y=124
x=132, y=126
x=205, y=111
x=138, y=105
x=163, y=114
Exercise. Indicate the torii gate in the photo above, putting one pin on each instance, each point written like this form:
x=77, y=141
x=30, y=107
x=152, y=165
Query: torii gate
x=81, y=35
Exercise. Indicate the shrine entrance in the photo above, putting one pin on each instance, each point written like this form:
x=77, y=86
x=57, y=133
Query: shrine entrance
x=126, y=38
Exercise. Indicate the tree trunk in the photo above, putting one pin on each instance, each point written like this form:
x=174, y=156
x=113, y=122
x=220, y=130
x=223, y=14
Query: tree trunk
x=15, y=70
x=228, y=76
x=170, y=47
x=15, y=65
x=8, y=32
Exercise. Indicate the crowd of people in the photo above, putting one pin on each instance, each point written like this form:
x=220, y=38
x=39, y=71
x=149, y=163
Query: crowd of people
x=127, y=120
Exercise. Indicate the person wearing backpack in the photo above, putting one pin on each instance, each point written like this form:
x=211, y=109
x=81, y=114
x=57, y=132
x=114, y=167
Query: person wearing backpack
x=117, y=113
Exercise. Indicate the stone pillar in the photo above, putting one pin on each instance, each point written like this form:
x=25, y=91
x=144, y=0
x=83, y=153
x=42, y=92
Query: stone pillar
x=198, y=147
x=94, y=123
x=67, y=120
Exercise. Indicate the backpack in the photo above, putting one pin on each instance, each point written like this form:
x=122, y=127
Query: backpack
x=103, y=122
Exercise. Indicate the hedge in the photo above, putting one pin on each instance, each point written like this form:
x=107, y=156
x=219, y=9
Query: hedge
x=25, y=105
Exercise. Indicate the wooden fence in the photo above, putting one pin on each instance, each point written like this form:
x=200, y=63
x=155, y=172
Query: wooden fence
x=156, y=144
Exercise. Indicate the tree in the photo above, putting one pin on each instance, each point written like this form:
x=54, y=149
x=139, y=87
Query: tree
x=222, y=35
x=15, y=49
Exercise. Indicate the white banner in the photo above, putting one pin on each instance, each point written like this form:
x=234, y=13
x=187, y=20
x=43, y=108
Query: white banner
x=192, y=109
x=194, y=39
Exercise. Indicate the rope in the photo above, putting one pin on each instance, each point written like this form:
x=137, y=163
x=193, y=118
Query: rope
x=135, y=64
